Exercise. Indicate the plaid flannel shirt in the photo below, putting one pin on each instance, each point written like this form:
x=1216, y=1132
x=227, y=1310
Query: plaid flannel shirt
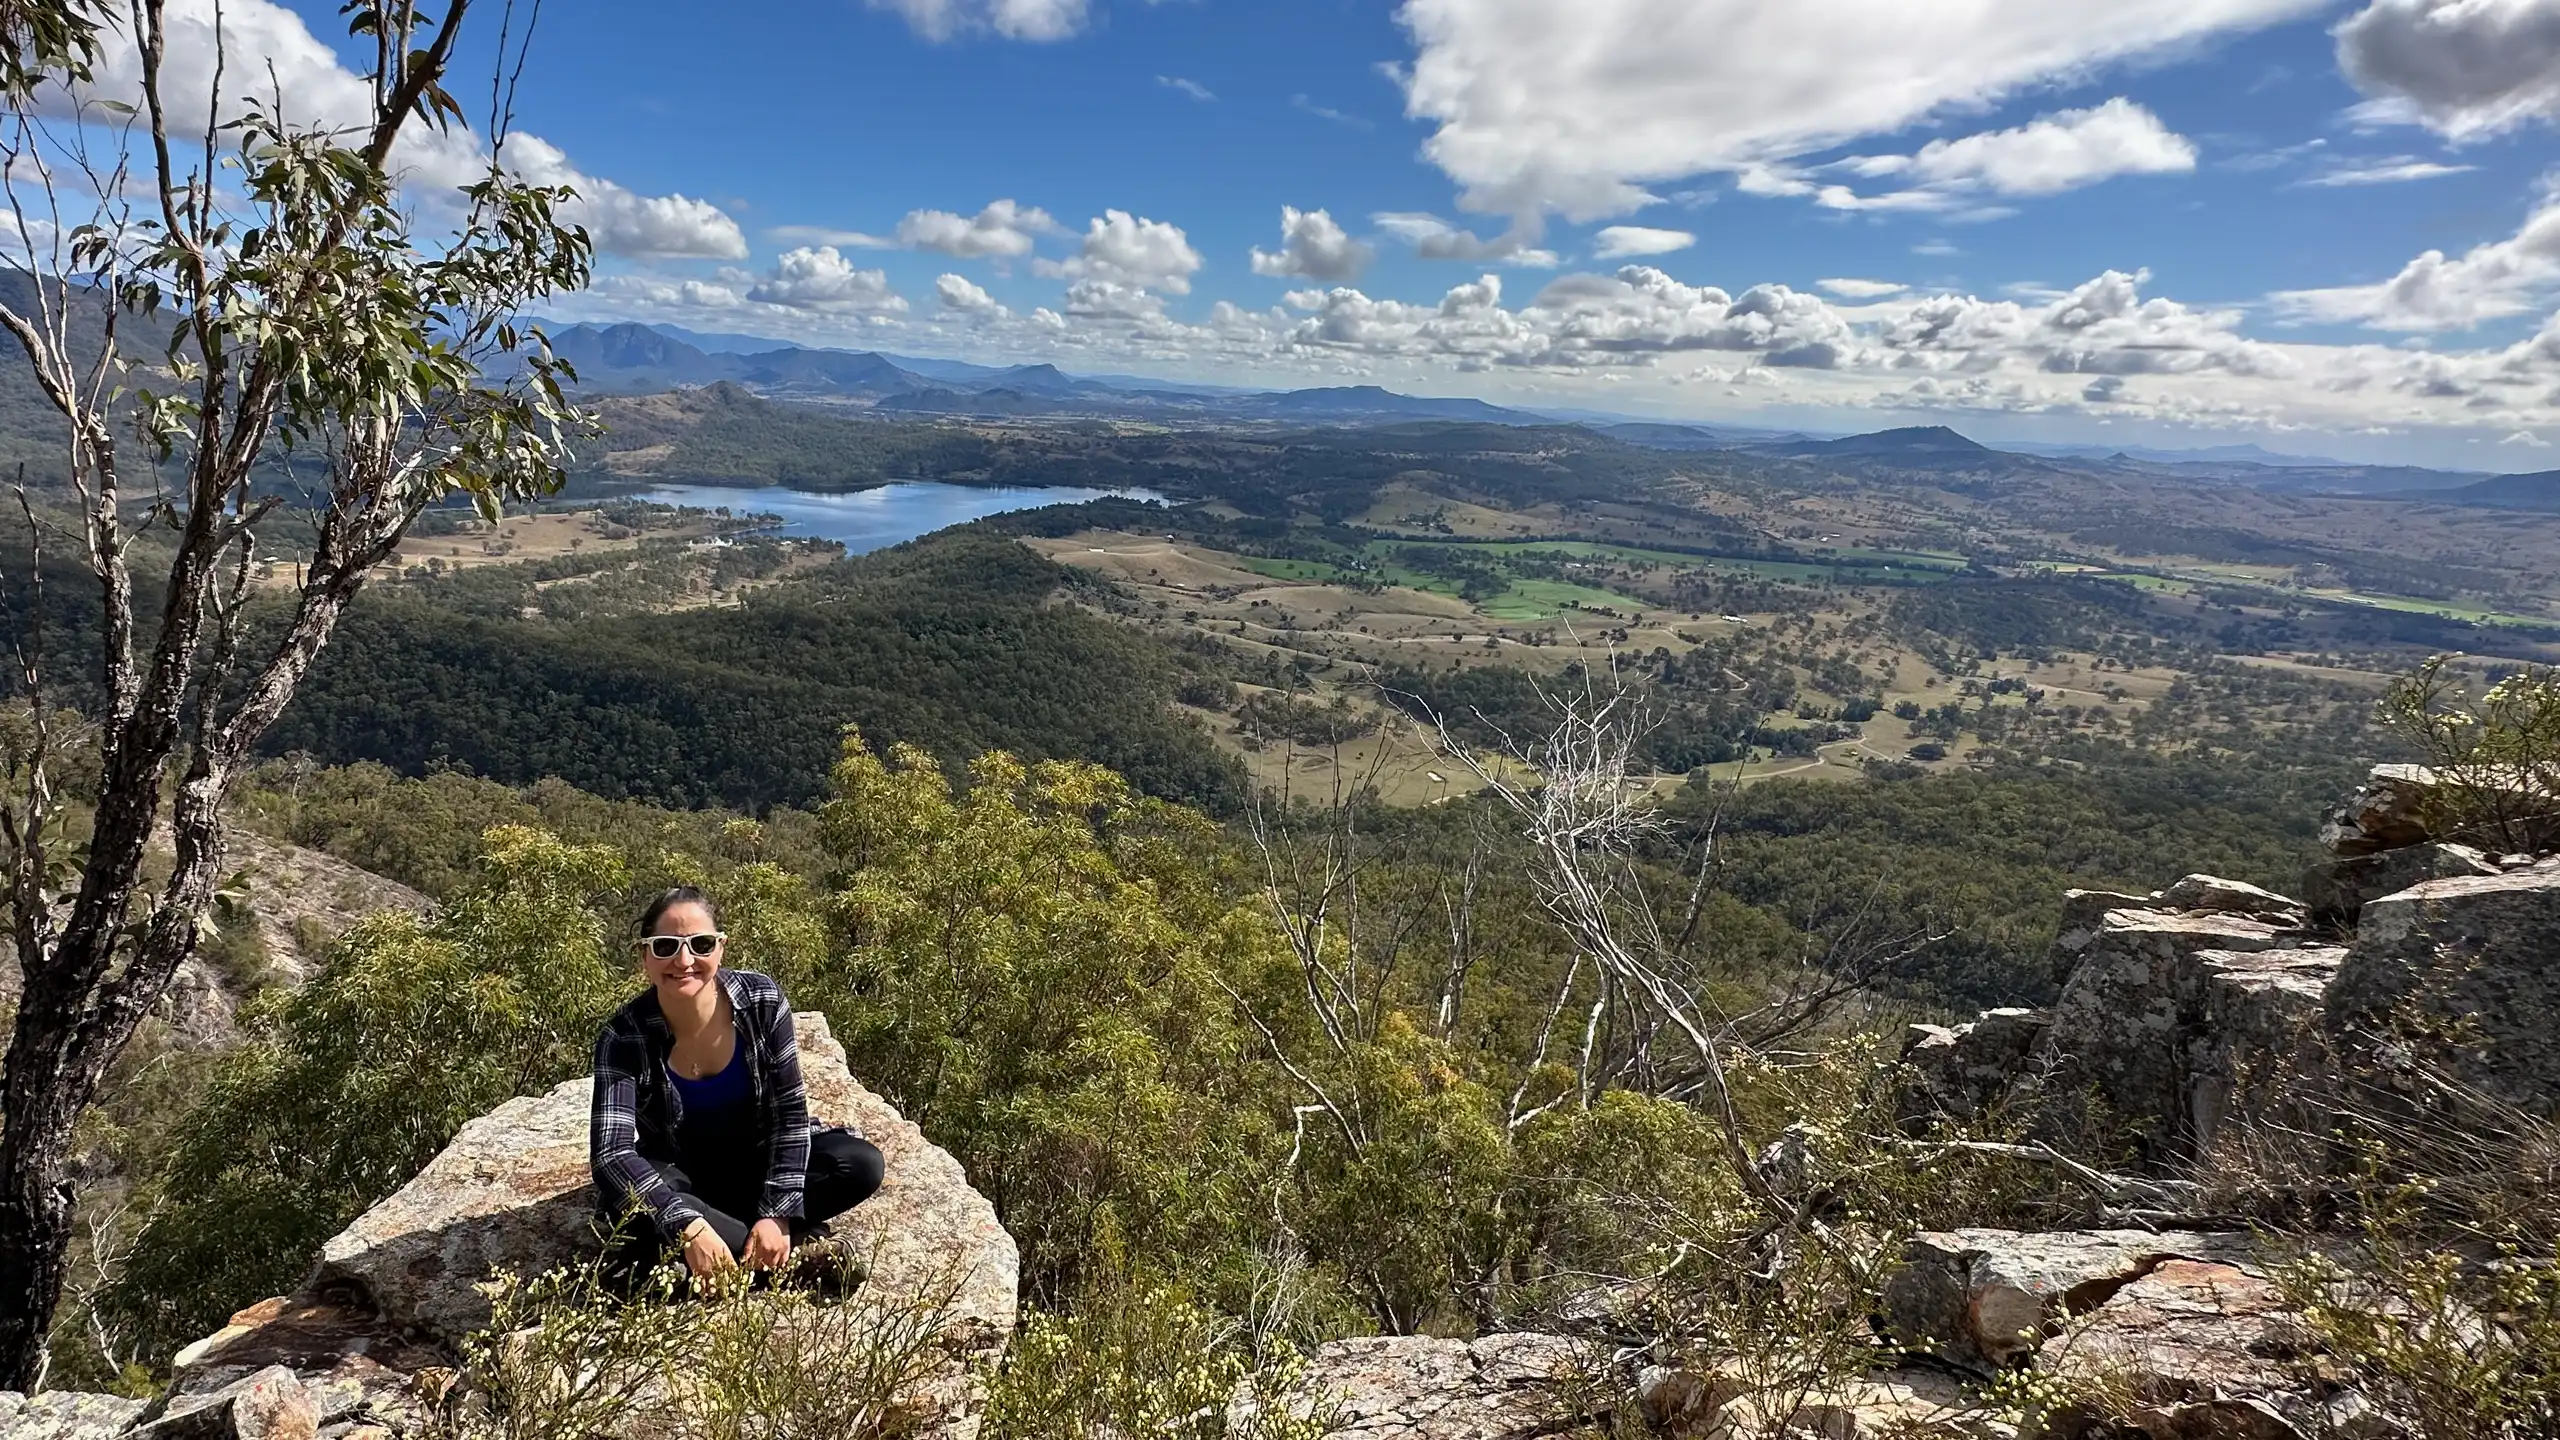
x=638, y=1112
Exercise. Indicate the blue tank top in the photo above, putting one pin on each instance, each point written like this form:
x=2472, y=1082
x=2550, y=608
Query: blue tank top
x=716, y=1112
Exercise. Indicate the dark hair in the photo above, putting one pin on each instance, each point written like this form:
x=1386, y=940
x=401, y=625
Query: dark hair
x=668, y=900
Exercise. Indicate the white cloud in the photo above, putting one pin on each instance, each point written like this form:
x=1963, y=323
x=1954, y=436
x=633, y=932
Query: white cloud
x=1192, y=88
x=266, y=50
x=623, y=223
x=826, y=235
x=821, y=279
x=1433, y=238
x=1313, y=246
x=2464, y=68
x=1619, y=241
x=959, y=293
x=1004, y=230
x=2437, y=292
x=1131, y=251
x=1578, y=108
x=2046, y=156
x=1861, y=289
x=2394, y=170
x=1112, y=300
x=1034, y=20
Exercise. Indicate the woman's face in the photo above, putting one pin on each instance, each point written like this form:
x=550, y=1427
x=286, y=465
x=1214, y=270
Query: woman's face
x=684, y=975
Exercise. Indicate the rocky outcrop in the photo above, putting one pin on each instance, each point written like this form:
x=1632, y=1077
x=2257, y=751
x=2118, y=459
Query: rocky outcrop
x=2186, y=1333
x=1990, y=1299
x=370, y=1339
x=2338, y=890
x=303, y=899
x=2461, y=973
x=2172, y=1007
x=2211, y=1003
x=2388, y=812
x=1962, y=1070
x=511, y=1192
x=65, y=1415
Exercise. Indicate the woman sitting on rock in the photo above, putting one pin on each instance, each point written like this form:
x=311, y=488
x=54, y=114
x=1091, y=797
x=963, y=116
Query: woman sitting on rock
x=700, y=1139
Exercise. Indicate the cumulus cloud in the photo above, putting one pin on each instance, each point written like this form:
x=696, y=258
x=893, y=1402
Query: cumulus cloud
x=1433, y=238
x=1004, y=231
x=1034, y=20
x=1851, y=289
x=623, y=223
x=266, y=49
x=1617, y=242
x=1578, y=108
x=2465, y=68
x=958, y=293
x=1314, y=247
x=819, y=278
x=2440, y=292
x=1130, y=251
x=2050, y=154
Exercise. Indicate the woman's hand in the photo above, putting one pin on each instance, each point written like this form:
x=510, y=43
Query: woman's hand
x=768, y=1246
x=707, y=1255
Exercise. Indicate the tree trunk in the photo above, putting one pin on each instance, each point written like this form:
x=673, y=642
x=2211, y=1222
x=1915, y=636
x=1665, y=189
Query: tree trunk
x=43, y=1099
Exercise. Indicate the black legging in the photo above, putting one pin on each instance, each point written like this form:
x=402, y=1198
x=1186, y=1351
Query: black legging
x=844, y=1171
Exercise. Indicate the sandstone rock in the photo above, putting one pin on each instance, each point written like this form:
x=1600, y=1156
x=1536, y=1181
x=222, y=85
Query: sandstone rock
x=268, y=1404
x=2229, y=897
x=2186, y=1330
x=2257, y=1051
x=513, y=1191
x=1416, y=1387
x=1991, y=1297
x=2132, y=1012
x=2084, y=914
x=2338, y=891
x=2387, y=812
x=65, y=1415
x=358, y=1368
x=1959, y=1072
x=2464, y=968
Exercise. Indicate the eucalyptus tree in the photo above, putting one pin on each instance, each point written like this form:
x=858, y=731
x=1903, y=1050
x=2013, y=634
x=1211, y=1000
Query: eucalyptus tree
x=231, y=309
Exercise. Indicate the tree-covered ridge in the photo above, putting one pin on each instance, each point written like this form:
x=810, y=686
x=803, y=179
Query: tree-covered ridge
x=951, y=643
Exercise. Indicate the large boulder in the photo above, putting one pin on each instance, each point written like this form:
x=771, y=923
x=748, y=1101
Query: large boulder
x=2389, y=811
x=372, y=1335
x=512, y=1192
x=1989, y=1299
x=2460, y=975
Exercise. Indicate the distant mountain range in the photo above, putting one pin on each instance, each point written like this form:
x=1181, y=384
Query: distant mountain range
x=639, y=359
x=643, y=359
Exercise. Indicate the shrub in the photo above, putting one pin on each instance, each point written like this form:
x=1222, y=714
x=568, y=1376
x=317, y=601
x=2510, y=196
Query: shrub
x=2496, y=757
x=1143, y=1360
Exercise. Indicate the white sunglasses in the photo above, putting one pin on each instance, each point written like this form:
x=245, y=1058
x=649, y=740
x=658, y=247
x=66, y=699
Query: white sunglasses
x=667, y=947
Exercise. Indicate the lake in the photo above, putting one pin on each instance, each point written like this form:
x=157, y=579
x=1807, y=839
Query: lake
x=892, y=514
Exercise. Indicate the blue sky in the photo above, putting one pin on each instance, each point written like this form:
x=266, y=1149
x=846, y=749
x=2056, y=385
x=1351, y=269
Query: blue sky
x=2164, y=221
